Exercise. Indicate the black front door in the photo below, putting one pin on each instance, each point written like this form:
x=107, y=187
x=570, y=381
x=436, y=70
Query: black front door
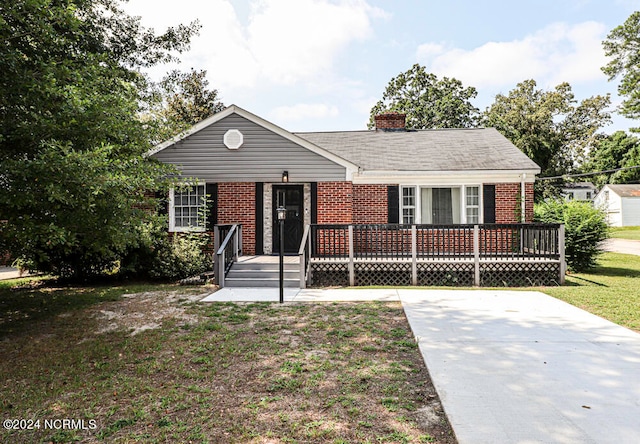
x=290, y=197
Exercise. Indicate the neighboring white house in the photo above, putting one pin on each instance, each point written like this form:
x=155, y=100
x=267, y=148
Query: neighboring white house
x=622, y=204
x=579, y=191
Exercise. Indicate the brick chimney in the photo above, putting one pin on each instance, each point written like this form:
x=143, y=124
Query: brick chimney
x=390, y=122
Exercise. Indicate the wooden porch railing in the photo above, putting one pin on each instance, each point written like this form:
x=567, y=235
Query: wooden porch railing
x=390, y=243
x=227, y=251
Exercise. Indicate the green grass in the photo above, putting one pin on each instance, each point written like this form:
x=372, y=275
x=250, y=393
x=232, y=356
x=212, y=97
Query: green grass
x=611, y=290
x=632, y=233
x=222, y=372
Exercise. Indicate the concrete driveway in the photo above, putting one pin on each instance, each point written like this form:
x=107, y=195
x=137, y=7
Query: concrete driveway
x=11, y=273
x=523, y=367
x=626, y=246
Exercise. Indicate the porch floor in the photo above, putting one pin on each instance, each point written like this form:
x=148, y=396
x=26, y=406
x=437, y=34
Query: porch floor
x=268, y=259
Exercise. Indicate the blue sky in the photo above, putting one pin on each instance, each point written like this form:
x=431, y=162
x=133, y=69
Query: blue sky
x=317, y=65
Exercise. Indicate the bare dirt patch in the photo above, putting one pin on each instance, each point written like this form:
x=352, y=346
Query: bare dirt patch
x=140, y=312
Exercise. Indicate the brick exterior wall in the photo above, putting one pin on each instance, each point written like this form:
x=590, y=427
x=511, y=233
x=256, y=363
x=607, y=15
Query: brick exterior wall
x=345, y=203
x=370, y=204
x=335, y=202
x=508, y=203
x=236, y=204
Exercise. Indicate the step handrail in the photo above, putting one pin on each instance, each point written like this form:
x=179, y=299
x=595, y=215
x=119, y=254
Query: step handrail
x=227, y=253
x=304, y=253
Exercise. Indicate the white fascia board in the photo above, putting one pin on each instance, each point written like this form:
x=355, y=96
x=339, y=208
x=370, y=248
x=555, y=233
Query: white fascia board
x=350, y=167
x=443, y=177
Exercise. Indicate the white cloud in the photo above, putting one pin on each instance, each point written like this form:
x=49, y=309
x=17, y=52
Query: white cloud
x=557, y=53
x=281, y=41
x=303, y=111
x=299, y=39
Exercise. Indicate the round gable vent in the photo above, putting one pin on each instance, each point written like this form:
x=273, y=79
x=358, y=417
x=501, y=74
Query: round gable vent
x=233, y=139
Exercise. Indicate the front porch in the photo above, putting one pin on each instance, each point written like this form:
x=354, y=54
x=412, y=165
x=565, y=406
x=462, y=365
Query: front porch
x=486, y=255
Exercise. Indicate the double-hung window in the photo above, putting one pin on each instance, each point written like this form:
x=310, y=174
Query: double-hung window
x=441, y=205
x=472, y=207
x=408, y=205
x=188, y=205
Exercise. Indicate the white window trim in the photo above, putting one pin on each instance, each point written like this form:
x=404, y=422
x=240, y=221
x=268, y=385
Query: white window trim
x=172, y=215
x=414, y=207
x=463, y=201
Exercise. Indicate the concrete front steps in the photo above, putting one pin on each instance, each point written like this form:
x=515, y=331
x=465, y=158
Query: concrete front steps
x=263, y=271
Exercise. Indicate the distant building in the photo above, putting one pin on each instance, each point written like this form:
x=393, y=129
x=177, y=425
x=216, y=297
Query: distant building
x=579, y=191
x=622, y=204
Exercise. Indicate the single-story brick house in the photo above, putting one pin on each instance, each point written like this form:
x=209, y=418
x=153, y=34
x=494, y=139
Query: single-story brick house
x=249, y=166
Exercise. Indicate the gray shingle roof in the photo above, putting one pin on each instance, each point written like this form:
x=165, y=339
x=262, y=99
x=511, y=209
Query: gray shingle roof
x=424, y=150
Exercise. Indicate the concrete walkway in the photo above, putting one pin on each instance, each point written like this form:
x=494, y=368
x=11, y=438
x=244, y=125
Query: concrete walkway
x=512, y=367
x=229, y=294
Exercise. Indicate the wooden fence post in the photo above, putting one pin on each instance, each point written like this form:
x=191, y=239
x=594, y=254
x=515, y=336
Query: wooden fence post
x=476, y=256
x=236, y=244
x=220, y=269
x=414, y=255
x=216, y=247
x=352, y=274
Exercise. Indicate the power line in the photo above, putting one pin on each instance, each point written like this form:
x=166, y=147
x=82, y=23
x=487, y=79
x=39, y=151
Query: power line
x=564, y=176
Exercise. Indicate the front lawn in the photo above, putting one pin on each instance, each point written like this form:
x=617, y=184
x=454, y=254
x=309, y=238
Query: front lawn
x=611, y=290
x=632, y=233
x=157, y=366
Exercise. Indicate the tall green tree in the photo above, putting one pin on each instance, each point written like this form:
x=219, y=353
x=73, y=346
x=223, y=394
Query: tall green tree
x=73, y=173
x=182, y=99
x=619, y=150
x=622, y=46
x=428, y=102
x=550, y=127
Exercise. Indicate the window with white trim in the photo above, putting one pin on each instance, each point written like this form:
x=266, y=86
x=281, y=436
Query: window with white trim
x=441, y=205
x=473, y=204
x=187, y=208
x=408, y=205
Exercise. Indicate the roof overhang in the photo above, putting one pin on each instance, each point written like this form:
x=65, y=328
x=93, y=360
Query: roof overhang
x=444, y=177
